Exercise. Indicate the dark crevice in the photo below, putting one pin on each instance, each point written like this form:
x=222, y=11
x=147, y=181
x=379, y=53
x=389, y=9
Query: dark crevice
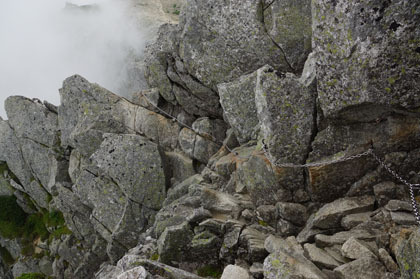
x=417, y=50
x=394, y=26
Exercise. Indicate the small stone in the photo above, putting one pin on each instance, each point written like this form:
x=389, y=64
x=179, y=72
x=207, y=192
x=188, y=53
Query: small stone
x=318, y=256
x=397, y=205
x=235, y=272
x=365, y=268
x=293, y=212
x=403, y=218
x=330, y=215
x=355, y=249
x=384, y=192
x=350, y=221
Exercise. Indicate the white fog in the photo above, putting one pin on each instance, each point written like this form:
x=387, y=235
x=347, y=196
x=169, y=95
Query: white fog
x=42, y=43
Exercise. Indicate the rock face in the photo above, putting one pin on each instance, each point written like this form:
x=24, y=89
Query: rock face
x=201, y=174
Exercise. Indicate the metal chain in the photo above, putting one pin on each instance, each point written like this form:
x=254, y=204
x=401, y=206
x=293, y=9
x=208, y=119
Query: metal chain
x=315, y=164
x=411, y=186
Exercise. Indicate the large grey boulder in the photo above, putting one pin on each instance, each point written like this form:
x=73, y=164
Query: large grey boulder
x=286, y=114
x=320, y=257
x=174, y=243
x=235, y=272
x=368, y=55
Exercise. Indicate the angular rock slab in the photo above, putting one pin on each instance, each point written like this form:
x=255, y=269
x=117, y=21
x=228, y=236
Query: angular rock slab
x=135, y=164
x=329, y=216
x=238, y=101
x=30, y=119
x=286, y=114
x=235, y=272
x=363, y=268
x=287, y=261
x=368, y=54
x=12, y=155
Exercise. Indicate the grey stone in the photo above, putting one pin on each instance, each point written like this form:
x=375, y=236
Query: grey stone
x=406, y=253
x=286, y=260
x=226, y=48
x=166, y=270
x=205, y=246
x=330, y=215
x=265, y=184
x=285, y=111
x=235, y=272
x=22, y=266
x=238, y=101
x=174, y=243
x=135, y=273
x=387, y=260
x=220, y=202
x=363, y=268
x=341, y=237
x=181, y=166
x=253, y=241
x=403, y=218
x=286, y=228
x=398, y=205
x=134, y=163
x=289, y=25
x=32, y=120
x=257, y=270
x=45, y=266
x=38, y=194
x=320, y=257
x=367, y=59
x=293, y=212
x=335, y=252
x=12, y=155
x=231, y=241
x=108, y=272
x=350, y=221
x=355, y=249
x=384, y=192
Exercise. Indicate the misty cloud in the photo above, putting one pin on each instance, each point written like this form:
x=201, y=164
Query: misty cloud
x=42, y=43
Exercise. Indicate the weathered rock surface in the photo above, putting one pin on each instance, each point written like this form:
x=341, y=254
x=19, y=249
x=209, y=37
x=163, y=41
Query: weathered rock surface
x=286, y=113
x=369, y=56
x=235, y=272
x=362, y=268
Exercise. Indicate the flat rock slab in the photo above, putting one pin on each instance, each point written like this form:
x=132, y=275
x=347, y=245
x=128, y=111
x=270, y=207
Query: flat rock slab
x=320, y=257
x=363, y=268
x=330, y=215
x=355, y=249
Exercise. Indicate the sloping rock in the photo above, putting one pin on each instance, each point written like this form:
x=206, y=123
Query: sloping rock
x=363, y=268
x=135, y=273
x=355, y=249
x=403, y=218
x=350, y=221
x=32, y=120
x=369, y=56
x=238, y=101
x=329, y=216
x=253, y=241
x=319, y=257
x=287, y=261
x=387, y=260
x=286, y=113
x=341, y=237
x=398, y=205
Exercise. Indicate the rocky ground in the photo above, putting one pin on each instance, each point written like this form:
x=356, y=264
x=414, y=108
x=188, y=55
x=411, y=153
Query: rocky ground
x=189, y=179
